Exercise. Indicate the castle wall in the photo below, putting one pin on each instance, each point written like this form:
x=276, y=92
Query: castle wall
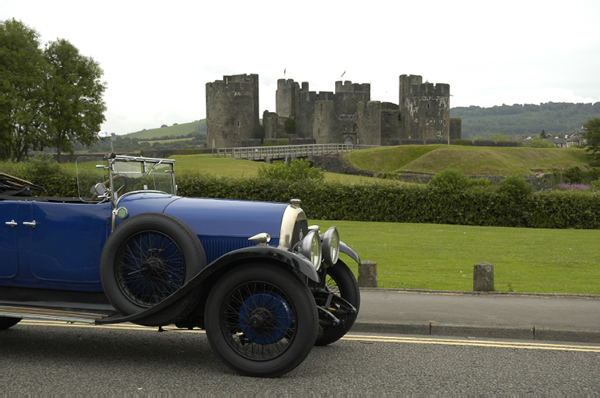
x=326, y=129
x=369, y=123
x=305, y=109
x=232, y=111
x=348, y=95
x=390, y=124
x=274, y=125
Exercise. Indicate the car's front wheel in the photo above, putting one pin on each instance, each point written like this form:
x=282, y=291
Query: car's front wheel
x=261, y=320
x=5, y=323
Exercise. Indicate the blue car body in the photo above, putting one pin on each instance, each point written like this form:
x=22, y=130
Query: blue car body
x=131, y=250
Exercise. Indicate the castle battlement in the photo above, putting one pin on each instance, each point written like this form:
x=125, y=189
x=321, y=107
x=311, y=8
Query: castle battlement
x=349, y=87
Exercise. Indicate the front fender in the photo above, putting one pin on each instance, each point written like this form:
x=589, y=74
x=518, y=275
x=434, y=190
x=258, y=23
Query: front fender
x=344, y=248
x=265, y=253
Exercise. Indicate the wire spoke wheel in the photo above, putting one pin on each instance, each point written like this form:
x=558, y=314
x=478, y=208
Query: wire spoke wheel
x=148, y=258
x=149, y=268
x=261, y=319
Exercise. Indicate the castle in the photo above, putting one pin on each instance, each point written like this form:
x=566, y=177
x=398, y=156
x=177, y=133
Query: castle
x=345, y=116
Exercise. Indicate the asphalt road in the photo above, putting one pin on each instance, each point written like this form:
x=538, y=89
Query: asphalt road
x=57, y=358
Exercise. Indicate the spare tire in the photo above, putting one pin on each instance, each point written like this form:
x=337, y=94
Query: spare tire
x=145, y=260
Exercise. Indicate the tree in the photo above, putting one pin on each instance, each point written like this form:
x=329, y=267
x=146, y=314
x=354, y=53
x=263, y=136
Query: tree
x=289, y=125
x=76, y=109
x=23, y=72
x=543, y=134
x=592, y=128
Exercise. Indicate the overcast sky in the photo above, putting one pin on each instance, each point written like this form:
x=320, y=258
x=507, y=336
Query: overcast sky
x=158, y=56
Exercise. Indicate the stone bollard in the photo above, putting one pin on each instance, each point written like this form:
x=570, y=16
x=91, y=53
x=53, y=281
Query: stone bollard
x=483, y=277
x=367, y=274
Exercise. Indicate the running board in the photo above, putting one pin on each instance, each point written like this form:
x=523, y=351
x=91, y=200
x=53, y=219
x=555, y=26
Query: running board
x=50, y=314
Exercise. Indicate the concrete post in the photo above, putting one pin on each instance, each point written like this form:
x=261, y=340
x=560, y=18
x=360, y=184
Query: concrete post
x=483, y=277
x=367, y=274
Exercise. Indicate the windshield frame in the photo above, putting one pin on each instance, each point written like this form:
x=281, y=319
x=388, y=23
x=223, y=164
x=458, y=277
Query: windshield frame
x=147, y=166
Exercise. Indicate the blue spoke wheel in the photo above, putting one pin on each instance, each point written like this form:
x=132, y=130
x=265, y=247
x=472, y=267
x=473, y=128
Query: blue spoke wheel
x=261, y=319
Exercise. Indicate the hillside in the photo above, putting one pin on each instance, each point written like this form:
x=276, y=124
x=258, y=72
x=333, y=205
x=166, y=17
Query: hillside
x=178, y=130
x=469, y=160
x=518, y=120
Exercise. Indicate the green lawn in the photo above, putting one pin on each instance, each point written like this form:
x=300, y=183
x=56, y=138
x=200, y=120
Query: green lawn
x=206, y=163
x=441, y=257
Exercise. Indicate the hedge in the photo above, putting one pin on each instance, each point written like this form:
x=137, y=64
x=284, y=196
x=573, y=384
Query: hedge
x=477, y=205
x=486, y=206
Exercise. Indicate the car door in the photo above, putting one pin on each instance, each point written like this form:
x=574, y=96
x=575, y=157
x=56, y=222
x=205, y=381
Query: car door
x=8, y=239
x=66, y=243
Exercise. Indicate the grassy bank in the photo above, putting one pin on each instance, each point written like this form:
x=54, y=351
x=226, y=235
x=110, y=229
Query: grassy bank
x=468, y=160
x=441, y=257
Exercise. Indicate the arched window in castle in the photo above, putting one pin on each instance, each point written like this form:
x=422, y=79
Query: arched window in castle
x=354, y=128
x=239, y=123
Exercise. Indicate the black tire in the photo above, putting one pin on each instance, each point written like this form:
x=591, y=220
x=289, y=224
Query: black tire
x=261, y=320
x=145, y=260
x=5, y=323
x=341, y=281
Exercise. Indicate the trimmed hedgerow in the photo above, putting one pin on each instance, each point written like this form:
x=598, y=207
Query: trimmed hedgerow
x=512, y=204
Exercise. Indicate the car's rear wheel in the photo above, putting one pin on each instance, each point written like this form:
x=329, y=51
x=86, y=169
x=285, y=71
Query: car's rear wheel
x=340, y=281
x=147, y=259
x=5, y=323
x=261, y=320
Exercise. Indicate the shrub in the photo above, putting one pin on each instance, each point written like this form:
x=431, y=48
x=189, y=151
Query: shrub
x=461, y=142
x=538, y=143
x=479, y=182
x=42, y=170
x=450, y=181
x=595, y=186
x=390, y=176
x=515, y=186
x=574, y=175
x=593, y=173
x=296, y=170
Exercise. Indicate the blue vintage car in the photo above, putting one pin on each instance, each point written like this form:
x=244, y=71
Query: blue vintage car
x=264, y=284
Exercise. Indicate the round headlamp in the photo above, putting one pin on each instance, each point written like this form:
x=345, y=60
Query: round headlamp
x=331, y=246
x=310, y=247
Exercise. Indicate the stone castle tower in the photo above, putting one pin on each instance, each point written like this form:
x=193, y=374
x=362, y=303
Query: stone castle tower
x=232, y=111
x=424, y=109
x=345, y=116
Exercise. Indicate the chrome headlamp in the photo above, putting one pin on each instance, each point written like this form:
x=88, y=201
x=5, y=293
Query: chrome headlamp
x=331, y=246
x=310, y=247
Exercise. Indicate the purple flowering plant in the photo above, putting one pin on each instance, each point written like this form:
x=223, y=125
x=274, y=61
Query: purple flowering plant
x=579, y=187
